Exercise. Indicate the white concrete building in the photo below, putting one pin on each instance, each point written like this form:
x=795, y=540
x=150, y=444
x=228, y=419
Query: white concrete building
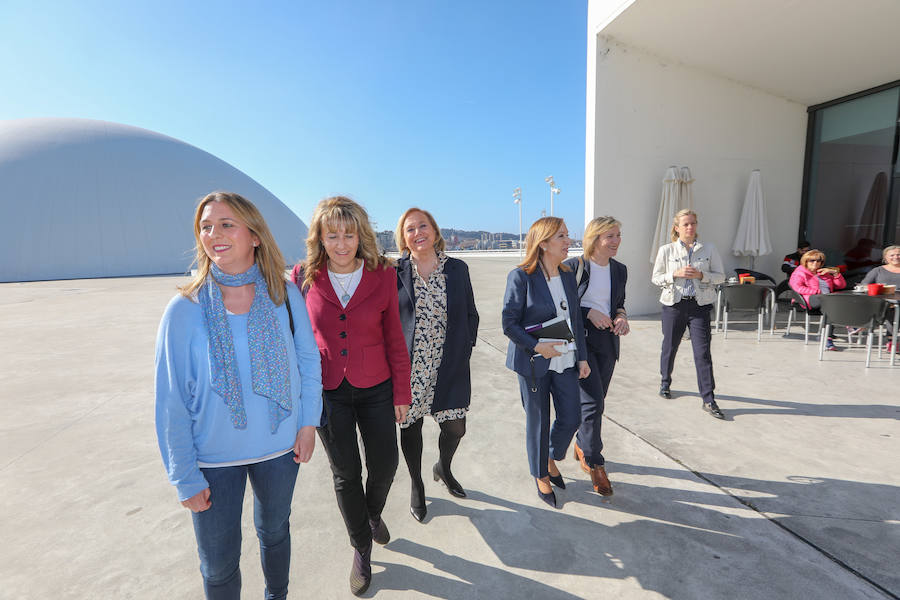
x=806, y=91
x=83, y=198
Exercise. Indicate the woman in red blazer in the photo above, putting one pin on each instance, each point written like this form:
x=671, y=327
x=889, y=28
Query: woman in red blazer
x=351, y=296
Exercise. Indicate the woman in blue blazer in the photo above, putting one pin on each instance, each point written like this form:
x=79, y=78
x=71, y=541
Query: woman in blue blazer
x=601, y=288
x=440, y=324
x=540, y=289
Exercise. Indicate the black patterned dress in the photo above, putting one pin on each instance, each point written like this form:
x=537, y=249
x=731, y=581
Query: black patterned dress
x=428, y=344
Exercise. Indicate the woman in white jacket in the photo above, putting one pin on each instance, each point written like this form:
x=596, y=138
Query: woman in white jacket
x=688, y=271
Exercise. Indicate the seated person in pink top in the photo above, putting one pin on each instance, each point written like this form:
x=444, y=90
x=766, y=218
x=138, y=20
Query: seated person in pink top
x=813, y=278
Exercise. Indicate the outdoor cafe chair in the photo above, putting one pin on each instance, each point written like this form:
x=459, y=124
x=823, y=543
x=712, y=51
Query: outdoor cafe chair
x=799, y=304
x=852, y=311
x=746, y=297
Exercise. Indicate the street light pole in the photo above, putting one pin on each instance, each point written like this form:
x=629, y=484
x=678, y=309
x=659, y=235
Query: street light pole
x=517, y=199
x=554, y=189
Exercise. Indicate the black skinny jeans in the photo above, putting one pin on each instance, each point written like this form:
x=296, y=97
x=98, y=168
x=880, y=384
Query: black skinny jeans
x=372, y=411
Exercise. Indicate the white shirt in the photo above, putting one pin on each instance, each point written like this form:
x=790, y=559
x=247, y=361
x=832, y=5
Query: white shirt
x=599, y=292
x=561, y=363
x=345, y=284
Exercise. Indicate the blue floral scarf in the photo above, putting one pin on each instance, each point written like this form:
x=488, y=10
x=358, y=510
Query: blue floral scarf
x=268, y=351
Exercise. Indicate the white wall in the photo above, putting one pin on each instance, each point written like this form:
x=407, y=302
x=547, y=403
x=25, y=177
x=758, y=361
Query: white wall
x=645, y=113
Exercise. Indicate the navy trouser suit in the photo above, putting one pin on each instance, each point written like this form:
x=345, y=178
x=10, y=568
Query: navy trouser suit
x=602, y=353
x=528, y=301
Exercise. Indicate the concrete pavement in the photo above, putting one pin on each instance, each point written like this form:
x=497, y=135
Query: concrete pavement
x=795, y=495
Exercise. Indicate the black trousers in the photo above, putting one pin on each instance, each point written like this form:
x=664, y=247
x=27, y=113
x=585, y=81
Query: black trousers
x=683, y=314
x=372, y=411
x=602, y=361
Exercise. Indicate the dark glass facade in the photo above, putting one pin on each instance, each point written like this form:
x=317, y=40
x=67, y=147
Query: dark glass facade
x=851, y=184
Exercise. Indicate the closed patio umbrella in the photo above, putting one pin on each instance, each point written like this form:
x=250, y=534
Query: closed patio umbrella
x=752, y=237
x=685, y=189
x=669, y=204
x=871, y=221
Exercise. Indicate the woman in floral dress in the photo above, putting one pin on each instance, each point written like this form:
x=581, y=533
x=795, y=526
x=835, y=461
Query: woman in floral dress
x=440, y=324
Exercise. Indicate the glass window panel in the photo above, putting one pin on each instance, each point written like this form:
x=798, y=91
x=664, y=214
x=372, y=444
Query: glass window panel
x=850, y=180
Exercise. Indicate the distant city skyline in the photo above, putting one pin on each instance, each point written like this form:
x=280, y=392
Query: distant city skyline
x=400, y=103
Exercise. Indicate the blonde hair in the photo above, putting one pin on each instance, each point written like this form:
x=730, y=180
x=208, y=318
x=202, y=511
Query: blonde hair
x=682, y=213
x=540, y=231
x=812, y=254
x=884, y=252
x=439, y=243
x=266, y=255
x=594, y=230
x=332, y=214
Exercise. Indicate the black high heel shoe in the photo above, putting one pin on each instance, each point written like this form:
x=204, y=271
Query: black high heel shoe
x=448, y=480
x=418, y=512
x=417, y=501
x=549, y=498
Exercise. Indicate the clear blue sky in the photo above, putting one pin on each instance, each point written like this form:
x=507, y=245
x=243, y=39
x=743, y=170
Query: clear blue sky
x=446, y=105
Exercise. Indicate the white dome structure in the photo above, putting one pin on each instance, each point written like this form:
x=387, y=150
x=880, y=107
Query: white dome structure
x=84, y=198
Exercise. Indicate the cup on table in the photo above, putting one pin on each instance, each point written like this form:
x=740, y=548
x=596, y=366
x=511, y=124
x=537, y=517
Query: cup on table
x=875, y=289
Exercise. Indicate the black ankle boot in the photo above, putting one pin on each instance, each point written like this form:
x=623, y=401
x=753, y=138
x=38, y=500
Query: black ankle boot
x=361, y=571
x=417, y=500
x=447, y=478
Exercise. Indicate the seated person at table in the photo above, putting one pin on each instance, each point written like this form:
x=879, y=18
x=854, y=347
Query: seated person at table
x=812, y=279
x=887, y=274
x=792, y=260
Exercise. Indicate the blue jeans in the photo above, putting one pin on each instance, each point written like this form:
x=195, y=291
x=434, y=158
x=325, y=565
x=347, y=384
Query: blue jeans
x=218, y=529
x=541, y=441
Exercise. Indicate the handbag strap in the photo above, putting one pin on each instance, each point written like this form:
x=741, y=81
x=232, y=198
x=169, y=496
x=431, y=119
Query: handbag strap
x=287, y=303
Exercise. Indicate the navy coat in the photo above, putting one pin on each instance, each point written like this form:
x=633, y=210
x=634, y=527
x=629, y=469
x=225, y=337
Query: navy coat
x=618, y=276
x=454, y=381
x=527, y=302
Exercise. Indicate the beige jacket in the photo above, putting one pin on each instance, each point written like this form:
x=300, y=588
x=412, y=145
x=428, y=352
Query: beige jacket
x=672, y=257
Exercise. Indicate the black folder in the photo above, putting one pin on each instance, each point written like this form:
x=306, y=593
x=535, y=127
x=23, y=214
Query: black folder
x=554, y=329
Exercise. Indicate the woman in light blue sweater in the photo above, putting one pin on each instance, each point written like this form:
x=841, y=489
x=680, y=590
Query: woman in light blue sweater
x=238, y=393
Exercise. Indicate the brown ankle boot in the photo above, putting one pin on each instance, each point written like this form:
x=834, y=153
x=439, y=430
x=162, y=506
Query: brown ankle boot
x=600, y=481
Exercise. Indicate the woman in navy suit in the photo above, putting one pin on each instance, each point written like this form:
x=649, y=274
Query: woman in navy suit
x=601, y=287
x=440, y=323
x=540, y=289
x=351, y=295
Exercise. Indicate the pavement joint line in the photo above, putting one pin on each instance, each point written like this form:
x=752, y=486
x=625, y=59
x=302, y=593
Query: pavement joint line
x=766, y=516
x=838, y=517
x=486, y=342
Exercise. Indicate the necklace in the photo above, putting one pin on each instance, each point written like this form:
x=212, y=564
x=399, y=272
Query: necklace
x=429, y=268
x=345, y=282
